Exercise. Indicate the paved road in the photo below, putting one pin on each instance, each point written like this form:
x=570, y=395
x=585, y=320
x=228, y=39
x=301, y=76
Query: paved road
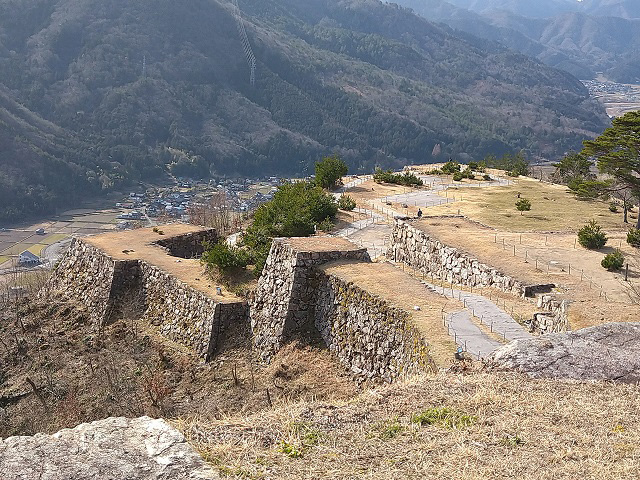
x=488, y=311
x=469, y=336
x=467, y=333
x=55, y=251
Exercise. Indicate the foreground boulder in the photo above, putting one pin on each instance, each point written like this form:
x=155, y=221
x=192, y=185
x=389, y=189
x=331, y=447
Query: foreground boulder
x=606, y=352
x=115, y=448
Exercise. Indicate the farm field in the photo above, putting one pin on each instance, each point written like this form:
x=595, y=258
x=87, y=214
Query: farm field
x=74, y=222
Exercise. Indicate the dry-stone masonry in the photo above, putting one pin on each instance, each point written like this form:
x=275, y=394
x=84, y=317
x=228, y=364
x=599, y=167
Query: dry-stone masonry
x=427, y=254
x=189, y=245
x=295, y=296
x=368, y=336
x=86, y=274
x=111, y=288
x=282, y=306
x=554, y=318
x=110, y=449
x=184, y=314
x=430, y=256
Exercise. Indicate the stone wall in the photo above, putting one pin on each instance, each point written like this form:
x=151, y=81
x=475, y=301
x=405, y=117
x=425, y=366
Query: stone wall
x=554, y=319
x=86, y=274
x=186, y=315
x=188, y=245
x=282, y=305
x=368, y=336
x=111, y=289
x=430, y=256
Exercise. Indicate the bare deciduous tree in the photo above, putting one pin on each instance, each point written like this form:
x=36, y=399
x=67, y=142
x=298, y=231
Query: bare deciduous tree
x=215, y=213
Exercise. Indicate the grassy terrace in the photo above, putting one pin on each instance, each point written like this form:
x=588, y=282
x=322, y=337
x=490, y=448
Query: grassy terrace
x=479, y=426
x=553, y=208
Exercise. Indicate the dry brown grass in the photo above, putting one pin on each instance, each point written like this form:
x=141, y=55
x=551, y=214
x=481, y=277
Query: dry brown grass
x=140, y=245
x=531, y=429
x=583, y=286
x=371, y=190
x=553, y=208
x=129, y=370
x=345, y=219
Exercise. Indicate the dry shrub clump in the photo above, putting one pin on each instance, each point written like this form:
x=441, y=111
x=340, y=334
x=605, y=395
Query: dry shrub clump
x=480, y=426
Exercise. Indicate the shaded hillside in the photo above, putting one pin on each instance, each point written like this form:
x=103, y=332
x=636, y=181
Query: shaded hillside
x=41, y=165
x=372, y=82
x=588, y=39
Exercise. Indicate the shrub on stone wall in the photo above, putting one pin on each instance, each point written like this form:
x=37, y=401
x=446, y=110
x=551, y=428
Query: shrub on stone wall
x=225, y=258
x=296, y=210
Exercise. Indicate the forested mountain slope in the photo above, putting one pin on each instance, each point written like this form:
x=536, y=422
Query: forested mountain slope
x=583, y=38
x=375, y=83
x=551, y=8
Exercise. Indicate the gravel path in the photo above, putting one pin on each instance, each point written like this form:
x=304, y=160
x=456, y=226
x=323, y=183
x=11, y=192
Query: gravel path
x=466, y=333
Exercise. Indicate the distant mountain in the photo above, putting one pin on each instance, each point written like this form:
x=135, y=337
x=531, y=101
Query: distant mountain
x=130, y=90
x=41, y=164
x=525, y=8
x=628, y=9
x=578, y=42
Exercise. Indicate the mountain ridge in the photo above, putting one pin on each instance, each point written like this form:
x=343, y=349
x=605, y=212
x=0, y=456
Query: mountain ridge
x=371, y=82
x=585, y=39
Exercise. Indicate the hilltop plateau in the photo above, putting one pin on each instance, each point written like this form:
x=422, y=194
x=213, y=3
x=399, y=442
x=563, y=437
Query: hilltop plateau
x=473, y=314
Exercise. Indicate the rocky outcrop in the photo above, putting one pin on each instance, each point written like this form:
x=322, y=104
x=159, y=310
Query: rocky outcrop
x=605, y=352
x=111, y=449
x=371, y=338
x=282, y=305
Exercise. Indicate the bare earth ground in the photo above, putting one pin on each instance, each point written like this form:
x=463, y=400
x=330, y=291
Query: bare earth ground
x=140, y=244
x=497, y=426
x=127, y=370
